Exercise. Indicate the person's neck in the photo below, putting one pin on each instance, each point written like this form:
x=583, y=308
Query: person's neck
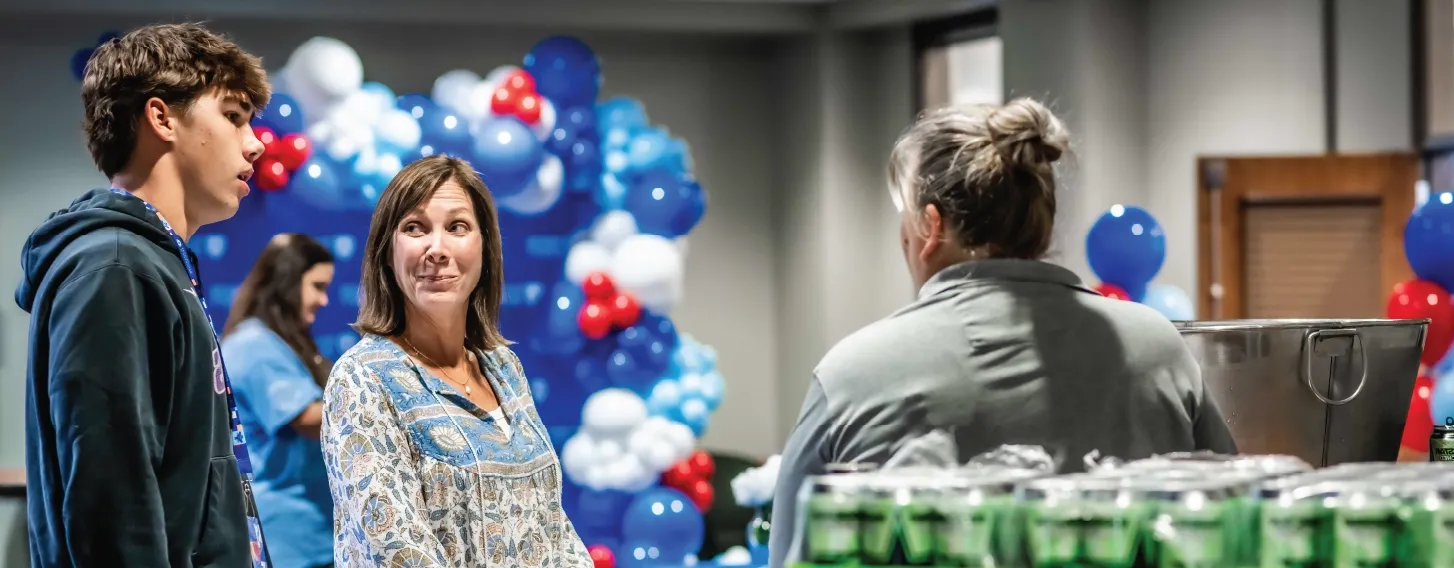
x=438, y=339
x=163, y=191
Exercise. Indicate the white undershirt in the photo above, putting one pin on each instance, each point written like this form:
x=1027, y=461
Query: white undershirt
x=499, y=417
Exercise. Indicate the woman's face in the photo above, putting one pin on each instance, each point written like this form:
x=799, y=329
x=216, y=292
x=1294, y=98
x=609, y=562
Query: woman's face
x=314, y=295
x=438, y=250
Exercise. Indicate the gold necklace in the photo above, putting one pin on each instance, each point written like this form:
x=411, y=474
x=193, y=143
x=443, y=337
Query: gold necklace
x=465, y=384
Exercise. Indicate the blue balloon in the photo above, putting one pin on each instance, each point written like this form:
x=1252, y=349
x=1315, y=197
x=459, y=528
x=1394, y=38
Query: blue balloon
x=583, y=165
x=380, y=90
x=507, y=154
x=560, y=333
x=1126, y=247
x=626, y=373
x=566, y=71
x=664, y=202
x=79, y=59
x=443, y=132
x=1170, y=301
x=647, y=149
x=666, y=519
x=1429, y=240
x=1441, y=401
x=582, y=118
x=416, y=105
x=317, y=183
x=600, y=512
x=282, y=115
x=620, y=112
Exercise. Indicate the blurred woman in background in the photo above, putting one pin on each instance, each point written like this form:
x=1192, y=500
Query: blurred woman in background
x=277, y=378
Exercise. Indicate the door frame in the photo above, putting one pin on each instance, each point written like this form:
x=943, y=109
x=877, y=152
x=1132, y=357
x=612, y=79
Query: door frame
x=1226, y=184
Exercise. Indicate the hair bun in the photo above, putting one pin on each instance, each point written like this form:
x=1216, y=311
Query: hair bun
x=1026, y=134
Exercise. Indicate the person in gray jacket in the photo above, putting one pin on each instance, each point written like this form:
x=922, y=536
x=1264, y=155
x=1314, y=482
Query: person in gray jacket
x=1000, y=347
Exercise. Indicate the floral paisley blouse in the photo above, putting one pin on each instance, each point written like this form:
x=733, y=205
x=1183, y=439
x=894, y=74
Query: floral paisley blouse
x=422, y=477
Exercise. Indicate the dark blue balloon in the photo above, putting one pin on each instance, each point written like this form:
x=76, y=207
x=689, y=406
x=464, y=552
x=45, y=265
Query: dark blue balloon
x=282, y=115
x=416, y=105
x=664, y=202
x=666, y=519
x=444, y=132
x=506, y=153
x=1429, y=240
x=626, y=373
x=560, y=333
x=318, y=183
x=566, y=71
x=78, y=62
x=583, y=118
x=1126, y=247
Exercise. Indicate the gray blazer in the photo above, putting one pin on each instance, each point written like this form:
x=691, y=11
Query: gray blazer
x=1001, y=352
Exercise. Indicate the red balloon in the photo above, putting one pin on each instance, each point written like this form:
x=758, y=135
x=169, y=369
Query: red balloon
x=269, y=140
x=680, y=476
x=595, y=319
x=527, y=108
x=505, y=101
x=701, y=493
x=519, y=81
x=625, y=310
x=1112, y=291
x=702, y=464
x=293, y=150
x=1419, y=422
x=269, y=174
x=598, y=286
x=602, y=556
x=1420, y=299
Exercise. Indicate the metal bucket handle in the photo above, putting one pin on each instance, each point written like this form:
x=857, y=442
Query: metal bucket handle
x=1308, y=344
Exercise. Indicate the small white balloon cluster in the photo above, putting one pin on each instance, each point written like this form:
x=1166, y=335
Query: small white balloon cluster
x=649, y=266
x=619, y=447
x=755, y=486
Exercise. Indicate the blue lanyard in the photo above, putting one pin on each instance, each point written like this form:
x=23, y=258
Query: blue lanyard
x=223, y=383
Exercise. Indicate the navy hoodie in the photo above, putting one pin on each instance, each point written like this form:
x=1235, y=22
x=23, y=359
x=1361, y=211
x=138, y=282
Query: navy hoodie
x=128, y=451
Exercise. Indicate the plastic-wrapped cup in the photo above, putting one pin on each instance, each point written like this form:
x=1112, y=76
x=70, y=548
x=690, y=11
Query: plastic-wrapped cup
x=1364, y=524
x=1194, y=523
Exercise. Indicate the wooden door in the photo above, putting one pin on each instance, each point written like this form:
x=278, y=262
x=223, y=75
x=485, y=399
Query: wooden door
x=1302, y=237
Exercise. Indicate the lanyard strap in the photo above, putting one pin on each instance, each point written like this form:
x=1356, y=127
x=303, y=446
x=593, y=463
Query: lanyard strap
x=219, y=369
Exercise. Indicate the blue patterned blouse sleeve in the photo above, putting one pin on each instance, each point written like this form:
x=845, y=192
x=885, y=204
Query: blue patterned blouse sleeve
x=576, y=555
x=377, y=496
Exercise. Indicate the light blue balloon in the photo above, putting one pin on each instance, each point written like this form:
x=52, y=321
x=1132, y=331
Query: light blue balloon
x=1170, y=301
x=713, y=387
x=620, y=112
x=665, y=397
x=1441, y=401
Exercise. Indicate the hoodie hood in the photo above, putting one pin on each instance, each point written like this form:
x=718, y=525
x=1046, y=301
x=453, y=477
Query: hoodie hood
x=95, y=210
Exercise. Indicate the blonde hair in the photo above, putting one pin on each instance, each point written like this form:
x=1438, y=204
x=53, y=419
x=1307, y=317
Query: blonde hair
x=989, y=169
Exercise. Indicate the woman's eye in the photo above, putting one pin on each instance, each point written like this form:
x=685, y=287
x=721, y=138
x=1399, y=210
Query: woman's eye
x=459, y=227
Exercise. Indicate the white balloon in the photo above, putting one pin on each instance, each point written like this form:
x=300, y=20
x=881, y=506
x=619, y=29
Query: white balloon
x=397, y=129
x=319, y=133
x=650, y=267
x=655, y=452
x=584, y=258
x=609, y=449
x=681, y=438
x=321, y=72
x=630, y=475
x=613, y=410
x=357, y=108
x=478, y=100
x=613, y=227
x=452, y=89
x=577, y=456
x=546, y=124
x=497, y=75
x=541, y=195
x=348, y=139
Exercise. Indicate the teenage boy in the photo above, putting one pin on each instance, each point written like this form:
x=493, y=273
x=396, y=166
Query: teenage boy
x=132, y=454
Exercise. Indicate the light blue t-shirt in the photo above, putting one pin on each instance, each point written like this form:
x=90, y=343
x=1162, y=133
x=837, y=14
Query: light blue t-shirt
x=272, y=387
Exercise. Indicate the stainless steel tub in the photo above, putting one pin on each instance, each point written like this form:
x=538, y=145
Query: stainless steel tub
x=1327, y=391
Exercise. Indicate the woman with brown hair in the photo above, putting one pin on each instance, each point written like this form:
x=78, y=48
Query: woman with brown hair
x=435, y=453
x=277, y=379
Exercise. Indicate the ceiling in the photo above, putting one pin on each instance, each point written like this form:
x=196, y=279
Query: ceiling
x=724, y=16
